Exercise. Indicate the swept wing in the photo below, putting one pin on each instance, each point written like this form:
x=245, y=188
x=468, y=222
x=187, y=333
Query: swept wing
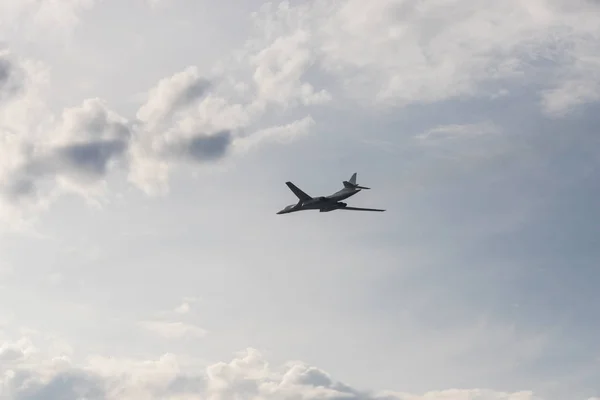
x=360, y=209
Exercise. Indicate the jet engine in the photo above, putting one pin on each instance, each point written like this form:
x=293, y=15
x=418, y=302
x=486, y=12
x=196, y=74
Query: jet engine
x=332, y=207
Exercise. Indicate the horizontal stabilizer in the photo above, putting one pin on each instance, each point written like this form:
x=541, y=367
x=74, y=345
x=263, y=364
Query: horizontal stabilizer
x=351, y=185
x=361, y=209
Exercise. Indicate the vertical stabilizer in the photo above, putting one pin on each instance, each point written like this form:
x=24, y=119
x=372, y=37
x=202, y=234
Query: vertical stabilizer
x=353, y=179
x=351, y=184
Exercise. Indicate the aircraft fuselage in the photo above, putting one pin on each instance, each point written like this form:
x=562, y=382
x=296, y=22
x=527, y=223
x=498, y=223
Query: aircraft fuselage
x=323, y=203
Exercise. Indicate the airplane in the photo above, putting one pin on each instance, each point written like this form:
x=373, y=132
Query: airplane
x=326, y=203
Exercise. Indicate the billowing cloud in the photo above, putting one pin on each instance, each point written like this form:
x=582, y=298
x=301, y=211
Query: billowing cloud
x=382, y=53
x=180, y=122
x=279, y=70
x=78, y=151
x=399, y=52
x=248, y=376
x=171, y=95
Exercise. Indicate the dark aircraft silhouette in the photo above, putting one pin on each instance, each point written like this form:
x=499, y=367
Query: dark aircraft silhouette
x=326, y=203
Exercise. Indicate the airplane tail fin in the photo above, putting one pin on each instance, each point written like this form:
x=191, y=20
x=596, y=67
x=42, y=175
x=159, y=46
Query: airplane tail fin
x=353, y=179
x=351, y=184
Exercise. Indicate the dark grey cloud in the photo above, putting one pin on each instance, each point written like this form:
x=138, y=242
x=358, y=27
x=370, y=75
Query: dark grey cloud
x=11, y=80
x=69, y=385
x=88, y=140
x=207, y=147
x=99, y=125
x=4, y=72
x=10, y=353
x=90, y=158
x=199, y=148
x=84, y=163
x=18, y=188
x=194, y=91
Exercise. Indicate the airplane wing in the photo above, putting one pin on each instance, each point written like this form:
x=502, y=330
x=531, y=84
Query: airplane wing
x=299, y=193
x=360, y=209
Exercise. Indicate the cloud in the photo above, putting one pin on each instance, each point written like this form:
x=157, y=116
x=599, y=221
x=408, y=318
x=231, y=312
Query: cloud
x=378, y=54
x=40, y=19
x=183, y=308
x=181, y=122
x=17, y=351
x=202, y=147
x=455, y=131
x=22, y=116
x=278, y=134
x=171, y=95
x=279, y=69
x=77, y=152
x=9, y=84
x=248, y=376
x=395, y=53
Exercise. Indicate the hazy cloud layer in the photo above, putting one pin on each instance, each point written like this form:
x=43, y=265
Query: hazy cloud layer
x=34, y=374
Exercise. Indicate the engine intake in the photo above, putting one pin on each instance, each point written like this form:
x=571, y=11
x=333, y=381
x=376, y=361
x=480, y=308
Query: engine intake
x=333, y=207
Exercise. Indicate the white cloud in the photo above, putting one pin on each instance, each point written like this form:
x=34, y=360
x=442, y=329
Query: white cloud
x=399, y=52
x=183, y=308
x=445, y=132
x=36, y=19
x=248, y=376
x=569, y=94
x=23, y=83
x=171, y=95
x=277, y=134
x=279, y=69
x=76, y=154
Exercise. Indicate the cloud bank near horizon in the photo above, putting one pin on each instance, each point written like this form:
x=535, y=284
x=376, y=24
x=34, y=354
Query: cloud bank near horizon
x=33, y=373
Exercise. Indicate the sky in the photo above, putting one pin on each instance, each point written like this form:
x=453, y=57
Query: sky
x=144, y=147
